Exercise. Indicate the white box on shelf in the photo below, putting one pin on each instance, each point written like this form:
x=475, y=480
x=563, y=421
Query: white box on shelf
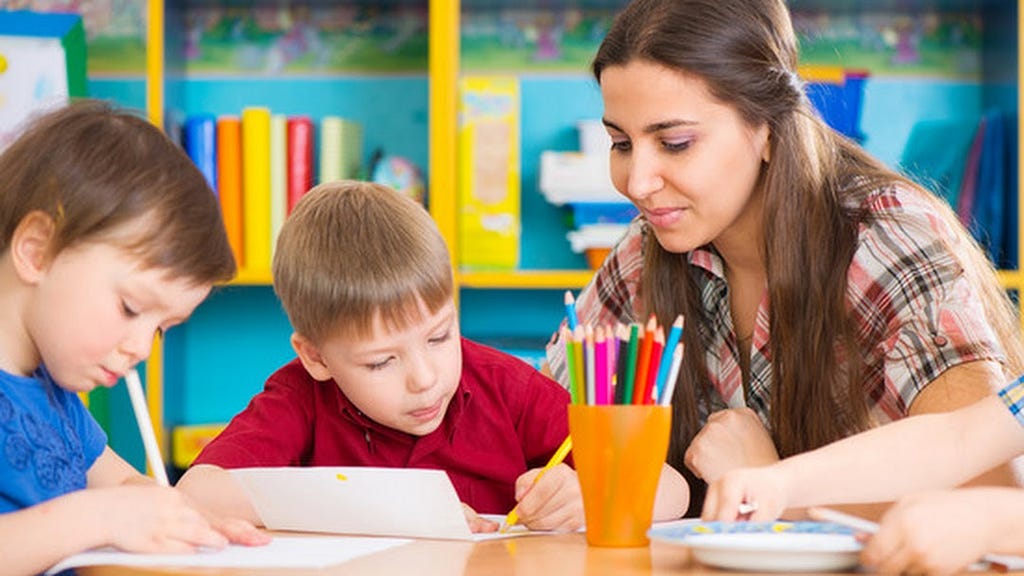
x=567, y=177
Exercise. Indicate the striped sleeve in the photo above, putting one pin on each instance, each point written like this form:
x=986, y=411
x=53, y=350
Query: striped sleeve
x=1013, y=396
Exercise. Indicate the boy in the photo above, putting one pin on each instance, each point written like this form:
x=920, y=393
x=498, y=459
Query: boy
x=382, y=376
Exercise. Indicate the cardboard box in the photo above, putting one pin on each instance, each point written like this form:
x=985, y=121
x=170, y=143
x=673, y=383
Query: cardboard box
x=489, y=219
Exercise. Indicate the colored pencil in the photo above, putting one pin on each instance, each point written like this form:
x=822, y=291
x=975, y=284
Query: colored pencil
x=674, y=335
x=570, y=366
x=557, y=458
x=570, y=310
x=643, y=361
x=631, y=358
x=649, y=396
x=591, y=365
x=580, y=361
x=673, y=375
x=601, y=366
x=621, y=359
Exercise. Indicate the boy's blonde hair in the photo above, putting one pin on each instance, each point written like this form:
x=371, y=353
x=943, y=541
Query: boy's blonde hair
x=352, y=250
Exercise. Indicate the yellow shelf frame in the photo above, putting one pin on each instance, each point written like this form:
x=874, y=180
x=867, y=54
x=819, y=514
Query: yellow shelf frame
x=526, y=279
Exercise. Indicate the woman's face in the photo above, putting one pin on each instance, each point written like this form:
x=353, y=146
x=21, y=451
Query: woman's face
x=686, y=160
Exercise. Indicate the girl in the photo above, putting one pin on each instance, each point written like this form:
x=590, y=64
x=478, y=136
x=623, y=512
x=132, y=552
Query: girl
x=110, y=235
x=823, y=293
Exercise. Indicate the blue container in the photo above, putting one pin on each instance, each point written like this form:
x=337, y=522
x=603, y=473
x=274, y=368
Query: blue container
x=587, y=213
x=840, y=104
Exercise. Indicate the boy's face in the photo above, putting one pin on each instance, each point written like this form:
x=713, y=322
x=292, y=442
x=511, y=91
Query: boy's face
x=403, y=379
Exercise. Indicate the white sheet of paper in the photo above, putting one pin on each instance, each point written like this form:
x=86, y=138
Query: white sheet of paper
x=282, y=552
x=400, y=502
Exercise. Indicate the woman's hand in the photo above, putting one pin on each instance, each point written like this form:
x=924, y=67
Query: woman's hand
x=554, y=502
x=732, y=438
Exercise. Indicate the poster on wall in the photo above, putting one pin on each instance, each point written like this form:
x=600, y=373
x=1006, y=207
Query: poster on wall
x=42, y=65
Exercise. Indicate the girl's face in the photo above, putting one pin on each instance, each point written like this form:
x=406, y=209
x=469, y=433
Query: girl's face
x=94, y=312
x=688, y=162
x=403, y=379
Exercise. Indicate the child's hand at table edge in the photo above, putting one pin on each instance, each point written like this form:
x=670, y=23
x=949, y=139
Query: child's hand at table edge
x=553, y=502
x=478, y=524
x=236, y=530
x=239, y=531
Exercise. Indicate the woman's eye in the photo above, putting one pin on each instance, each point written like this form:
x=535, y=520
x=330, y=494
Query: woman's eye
x=676, y=146
x=621, y=146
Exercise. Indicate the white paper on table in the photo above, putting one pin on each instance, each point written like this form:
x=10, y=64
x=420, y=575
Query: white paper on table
x=282, y=552
x=400, y=502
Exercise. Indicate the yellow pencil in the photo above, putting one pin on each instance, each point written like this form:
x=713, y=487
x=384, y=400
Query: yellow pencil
x=556, y=459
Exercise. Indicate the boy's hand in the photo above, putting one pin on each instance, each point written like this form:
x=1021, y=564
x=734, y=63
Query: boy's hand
x=553, y=503
x=477, y=524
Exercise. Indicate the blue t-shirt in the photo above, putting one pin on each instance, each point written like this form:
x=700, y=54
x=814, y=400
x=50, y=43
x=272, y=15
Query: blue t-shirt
x=48, y=440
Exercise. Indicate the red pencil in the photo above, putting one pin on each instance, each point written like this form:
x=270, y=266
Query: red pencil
x=643, y=361
x=652, y=372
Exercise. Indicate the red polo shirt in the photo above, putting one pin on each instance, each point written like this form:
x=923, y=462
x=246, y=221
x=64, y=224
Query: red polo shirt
x=504, y=419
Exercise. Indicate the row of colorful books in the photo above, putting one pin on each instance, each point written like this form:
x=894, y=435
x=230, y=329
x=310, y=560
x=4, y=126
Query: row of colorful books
x=259, y=164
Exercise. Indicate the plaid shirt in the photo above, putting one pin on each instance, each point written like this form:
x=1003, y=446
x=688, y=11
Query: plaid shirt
x=1013, y=396
x=917, y=314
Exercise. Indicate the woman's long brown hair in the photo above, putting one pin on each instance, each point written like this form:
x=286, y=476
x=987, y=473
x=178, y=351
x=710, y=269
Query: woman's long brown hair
x=746, y=53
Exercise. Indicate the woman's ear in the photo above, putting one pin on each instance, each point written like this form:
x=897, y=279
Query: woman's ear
x=766, y=153
x=31, y=245
x=309, y=355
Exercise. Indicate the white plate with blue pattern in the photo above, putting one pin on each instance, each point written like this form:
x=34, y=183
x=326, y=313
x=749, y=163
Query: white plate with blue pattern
x=766, y=546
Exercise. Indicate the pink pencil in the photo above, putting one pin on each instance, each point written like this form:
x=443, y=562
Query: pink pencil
x=600, y=367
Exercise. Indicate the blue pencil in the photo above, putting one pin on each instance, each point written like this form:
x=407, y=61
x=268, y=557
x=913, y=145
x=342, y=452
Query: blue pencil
x=570, y=310
x=666, y=355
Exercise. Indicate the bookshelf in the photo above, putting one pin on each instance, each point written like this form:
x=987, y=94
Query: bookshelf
x=443, y=69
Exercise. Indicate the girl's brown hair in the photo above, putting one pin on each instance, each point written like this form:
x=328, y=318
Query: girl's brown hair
x=746, y=53
x=93, y=168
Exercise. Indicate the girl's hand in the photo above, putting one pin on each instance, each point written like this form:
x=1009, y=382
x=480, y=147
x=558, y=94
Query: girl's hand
x=938, y=532
x=733, y=438
x=478, y=524
x=153, y=519
x=762, y=489
x=554, y=502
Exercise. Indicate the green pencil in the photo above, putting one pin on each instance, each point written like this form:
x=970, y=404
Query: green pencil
x=627, y=392
x=570, y=363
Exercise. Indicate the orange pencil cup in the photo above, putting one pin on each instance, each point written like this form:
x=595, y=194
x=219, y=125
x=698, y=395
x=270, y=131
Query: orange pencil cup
x=618, y=451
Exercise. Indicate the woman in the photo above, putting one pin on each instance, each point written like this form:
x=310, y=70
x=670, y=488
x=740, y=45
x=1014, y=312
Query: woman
x=823, y=293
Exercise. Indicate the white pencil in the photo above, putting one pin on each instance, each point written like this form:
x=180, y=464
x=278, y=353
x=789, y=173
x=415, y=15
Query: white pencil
x=673, y=375
x=156, y=462
x=850, y=521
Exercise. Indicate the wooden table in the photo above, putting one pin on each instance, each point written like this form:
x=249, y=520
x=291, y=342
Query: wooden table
x=554, y=555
